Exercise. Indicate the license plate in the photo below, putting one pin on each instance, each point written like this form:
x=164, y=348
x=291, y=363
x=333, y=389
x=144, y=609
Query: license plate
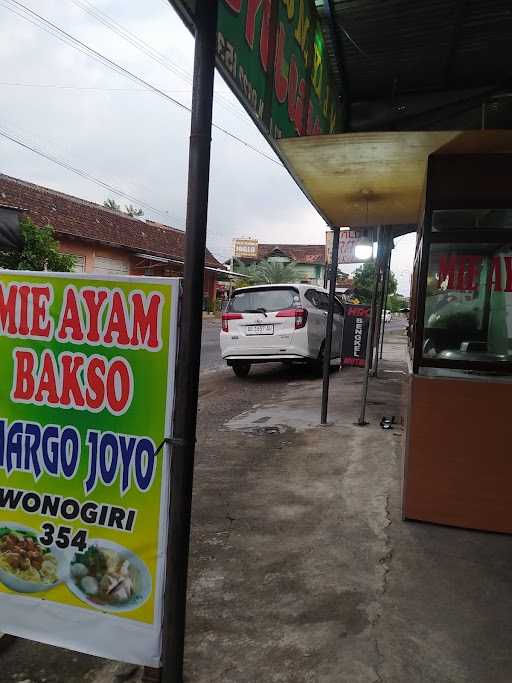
x=260, y=329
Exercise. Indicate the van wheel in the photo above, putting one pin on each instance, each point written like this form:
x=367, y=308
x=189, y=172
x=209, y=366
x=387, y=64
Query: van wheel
x=241, y=369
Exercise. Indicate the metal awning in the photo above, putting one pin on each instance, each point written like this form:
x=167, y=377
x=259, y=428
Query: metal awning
x=422, y=65
x=367, y=179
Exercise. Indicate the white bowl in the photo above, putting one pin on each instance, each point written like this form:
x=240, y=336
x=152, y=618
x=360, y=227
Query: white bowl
x=21, y=585
x=142, y=581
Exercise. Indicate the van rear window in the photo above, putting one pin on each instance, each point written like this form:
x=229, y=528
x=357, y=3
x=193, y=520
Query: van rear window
x=264, y=299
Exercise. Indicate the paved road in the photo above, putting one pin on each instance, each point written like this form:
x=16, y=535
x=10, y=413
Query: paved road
x=210, y=348
x=396, y=325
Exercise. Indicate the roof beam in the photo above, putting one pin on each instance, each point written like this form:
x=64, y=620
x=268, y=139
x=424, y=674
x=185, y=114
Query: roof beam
x=461, y=10
x=437, y=114
x=337, y=42
x=419, y=112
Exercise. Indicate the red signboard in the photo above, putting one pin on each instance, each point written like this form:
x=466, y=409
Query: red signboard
x=355, y=335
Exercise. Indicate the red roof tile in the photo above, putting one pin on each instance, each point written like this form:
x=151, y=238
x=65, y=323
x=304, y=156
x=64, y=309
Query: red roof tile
x=302, y=253
x=79, y=219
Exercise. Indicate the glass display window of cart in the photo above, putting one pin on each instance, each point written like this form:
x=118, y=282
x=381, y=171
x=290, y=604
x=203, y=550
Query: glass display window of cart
x=465, y=316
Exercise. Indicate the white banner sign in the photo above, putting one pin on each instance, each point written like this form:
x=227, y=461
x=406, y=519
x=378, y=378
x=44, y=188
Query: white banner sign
x=349, y=240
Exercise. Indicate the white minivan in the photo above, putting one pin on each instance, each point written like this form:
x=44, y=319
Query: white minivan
x=269, y=323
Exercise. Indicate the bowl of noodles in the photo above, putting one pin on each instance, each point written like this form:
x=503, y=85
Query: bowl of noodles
x=26, y=566
x=109, y=577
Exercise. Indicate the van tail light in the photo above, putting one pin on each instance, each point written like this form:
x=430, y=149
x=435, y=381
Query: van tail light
x=226, y=317
x=300, y=315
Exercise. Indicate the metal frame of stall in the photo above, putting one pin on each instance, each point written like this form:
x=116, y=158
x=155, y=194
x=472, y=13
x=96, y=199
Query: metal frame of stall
x=376, y=327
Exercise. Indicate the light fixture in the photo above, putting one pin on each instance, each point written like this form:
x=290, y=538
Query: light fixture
x=363, y=252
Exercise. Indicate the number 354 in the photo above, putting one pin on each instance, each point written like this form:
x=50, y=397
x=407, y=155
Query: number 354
x=63, y=537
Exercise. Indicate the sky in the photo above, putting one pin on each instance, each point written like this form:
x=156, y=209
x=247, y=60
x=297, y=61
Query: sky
x=76, y=109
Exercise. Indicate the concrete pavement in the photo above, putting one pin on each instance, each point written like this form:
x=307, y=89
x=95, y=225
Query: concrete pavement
x=302, y=569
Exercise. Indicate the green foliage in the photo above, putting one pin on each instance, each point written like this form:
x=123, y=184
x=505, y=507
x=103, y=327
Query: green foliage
x=396, y=302
x=267, y=273
x=112, y=204
x=132, y=211
x=277, y=273
x=40, y=251
x=248, y=273
x=129, y=209
x=364, y=282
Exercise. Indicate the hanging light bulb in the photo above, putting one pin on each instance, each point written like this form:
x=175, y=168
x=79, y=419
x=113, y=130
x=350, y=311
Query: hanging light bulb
x=364, y=251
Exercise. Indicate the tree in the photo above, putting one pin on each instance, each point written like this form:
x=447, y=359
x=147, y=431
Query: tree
x=249, y=276
x=129, y=209
x=278, y=273
x=40, y=251
x=132, y=211
x=364, y=282
x=396, y=302
x=112, y=204
x=268, y=273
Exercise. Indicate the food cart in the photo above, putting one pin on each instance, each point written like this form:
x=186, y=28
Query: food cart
x=458, y=465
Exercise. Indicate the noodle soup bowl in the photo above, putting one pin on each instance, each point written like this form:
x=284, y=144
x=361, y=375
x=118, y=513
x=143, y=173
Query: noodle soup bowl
x=22, y=585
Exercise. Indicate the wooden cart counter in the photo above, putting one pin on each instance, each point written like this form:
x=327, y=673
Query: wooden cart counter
x=458, y=454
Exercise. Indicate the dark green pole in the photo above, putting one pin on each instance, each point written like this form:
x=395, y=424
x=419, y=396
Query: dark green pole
x=187, y=381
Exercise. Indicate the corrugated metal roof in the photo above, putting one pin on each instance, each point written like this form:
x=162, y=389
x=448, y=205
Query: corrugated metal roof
x=403, y=47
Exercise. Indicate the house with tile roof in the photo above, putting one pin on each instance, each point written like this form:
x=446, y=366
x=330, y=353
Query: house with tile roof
x=309, y=258
x=106, y=241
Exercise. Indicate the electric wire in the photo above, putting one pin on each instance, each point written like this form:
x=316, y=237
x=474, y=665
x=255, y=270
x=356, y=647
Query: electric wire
x=77, y=44
x=82, y=47
x=358, y=48
x=132, y=38
x=133, y=41
x=148, y=50
x=68, y=87
x=83, y=174
x=220, y=246
x=75, y=87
